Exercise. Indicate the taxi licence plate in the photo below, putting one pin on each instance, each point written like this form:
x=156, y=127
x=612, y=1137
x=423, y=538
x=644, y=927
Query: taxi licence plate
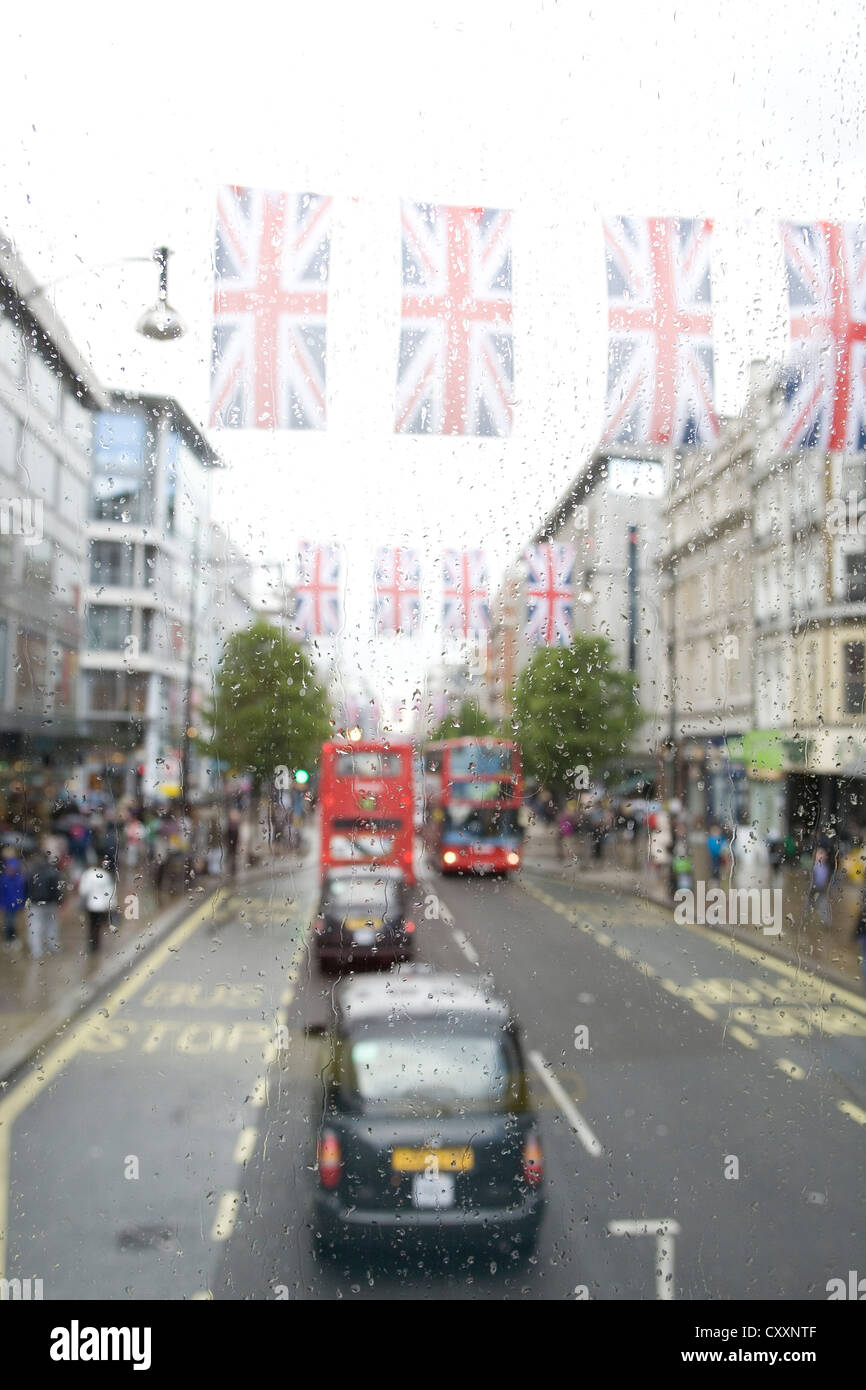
x=362, y=924
x=447, y=1160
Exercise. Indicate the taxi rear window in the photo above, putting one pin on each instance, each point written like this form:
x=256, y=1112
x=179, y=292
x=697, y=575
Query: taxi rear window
x=449, y=1073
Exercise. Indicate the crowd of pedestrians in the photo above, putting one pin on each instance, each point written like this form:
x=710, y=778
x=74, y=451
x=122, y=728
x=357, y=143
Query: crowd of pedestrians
x=83, y=852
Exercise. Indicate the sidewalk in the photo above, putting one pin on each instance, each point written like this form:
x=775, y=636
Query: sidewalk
x=624, y=868
x=38, y=997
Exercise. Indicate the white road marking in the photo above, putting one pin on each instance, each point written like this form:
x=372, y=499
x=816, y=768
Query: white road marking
x=466, y=946
x=664, y=1232
x=791, y=1069
x=855, y=1112
x=567, y=1106
x=227, y=1215
x=245, y=1145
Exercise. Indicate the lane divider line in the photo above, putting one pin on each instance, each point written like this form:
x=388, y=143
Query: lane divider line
x=854, y=1112
x=226, y=1216
x=567, y=1106
x=245, y=1145
x=791, y=1069
x=466, y=946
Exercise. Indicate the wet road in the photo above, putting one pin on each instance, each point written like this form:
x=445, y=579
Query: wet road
x=684, y=1083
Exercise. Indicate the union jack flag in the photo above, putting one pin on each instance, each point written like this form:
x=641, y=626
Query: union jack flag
x=660, y=354
x=825, y=382
x=550, y=595
x=317, y=592
x=465, y=609
x=270, y=309
x=456, y=371
x=398, y=591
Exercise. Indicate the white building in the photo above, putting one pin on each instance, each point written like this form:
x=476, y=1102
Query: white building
x=147, y=657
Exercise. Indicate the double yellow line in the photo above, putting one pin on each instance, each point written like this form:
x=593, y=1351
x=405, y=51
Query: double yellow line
x=35, y=1082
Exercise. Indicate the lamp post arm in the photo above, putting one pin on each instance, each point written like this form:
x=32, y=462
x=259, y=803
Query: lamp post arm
x=87, y=270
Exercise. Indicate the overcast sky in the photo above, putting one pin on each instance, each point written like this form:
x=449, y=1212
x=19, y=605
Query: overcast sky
x=120, y=122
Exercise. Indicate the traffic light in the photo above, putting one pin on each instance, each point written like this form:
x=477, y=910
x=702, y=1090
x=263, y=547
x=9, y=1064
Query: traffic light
x=302, y=777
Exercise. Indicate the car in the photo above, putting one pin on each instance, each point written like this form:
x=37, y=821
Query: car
x=363, y=918
x=424, y=1126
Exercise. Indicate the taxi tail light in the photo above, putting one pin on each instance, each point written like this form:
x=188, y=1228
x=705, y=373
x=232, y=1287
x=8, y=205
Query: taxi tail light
x=532, y=1161
x=410, y=926
x=329, y=1159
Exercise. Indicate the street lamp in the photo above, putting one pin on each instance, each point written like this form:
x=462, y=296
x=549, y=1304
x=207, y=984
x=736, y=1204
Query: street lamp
x=161, y=323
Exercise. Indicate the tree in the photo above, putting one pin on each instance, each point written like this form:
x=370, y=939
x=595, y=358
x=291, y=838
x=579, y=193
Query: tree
x=573, y=711
x=470, y=721
x=268, y=709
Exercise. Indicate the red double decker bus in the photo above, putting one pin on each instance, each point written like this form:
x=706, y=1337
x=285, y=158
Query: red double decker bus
x=366, y=805
x=473, y=792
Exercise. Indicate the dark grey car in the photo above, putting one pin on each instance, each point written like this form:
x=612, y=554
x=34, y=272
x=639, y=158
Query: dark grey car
x=363, y=919
x=425, y=1128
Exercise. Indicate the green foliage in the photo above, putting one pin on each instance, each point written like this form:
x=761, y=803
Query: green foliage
x=572, y=709
x=470, y=721
x=268, y=710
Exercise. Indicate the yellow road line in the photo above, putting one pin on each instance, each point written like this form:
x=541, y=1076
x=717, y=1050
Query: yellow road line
x=24, y=1092
x=741, y=1036
x=767, y=961
x=855, y=1112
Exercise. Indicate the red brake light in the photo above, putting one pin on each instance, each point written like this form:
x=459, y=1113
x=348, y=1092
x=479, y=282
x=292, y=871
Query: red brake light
x=533, y=1161
x=410, y=926
x=329, y=1159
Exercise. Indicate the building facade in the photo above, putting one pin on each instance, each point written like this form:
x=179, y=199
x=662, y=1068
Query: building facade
x=147, y=655
x=764, y=609
x=611, y=517
x=48, y=396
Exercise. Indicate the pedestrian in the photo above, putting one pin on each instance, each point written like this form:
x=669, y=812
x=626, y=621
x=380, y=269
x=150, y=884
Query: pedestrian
x=819, y=894
x=716, y=848
x=233, y=835
x=45, y=894
x=682, y=866
x=659, y=846
x=13, y=894
x=775, y=855
x=110, y=842
x=565, y=829
x=98, y=893
x=134, y=841
x=860, y=935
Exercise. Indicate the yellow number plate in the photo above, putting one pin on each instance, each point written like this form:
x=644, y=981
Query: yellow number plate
x=449, y=1160
x=362, y=923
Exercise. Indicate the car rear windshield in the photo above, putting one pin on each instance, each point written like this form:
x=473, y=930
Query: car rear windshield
x=447, y=1073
